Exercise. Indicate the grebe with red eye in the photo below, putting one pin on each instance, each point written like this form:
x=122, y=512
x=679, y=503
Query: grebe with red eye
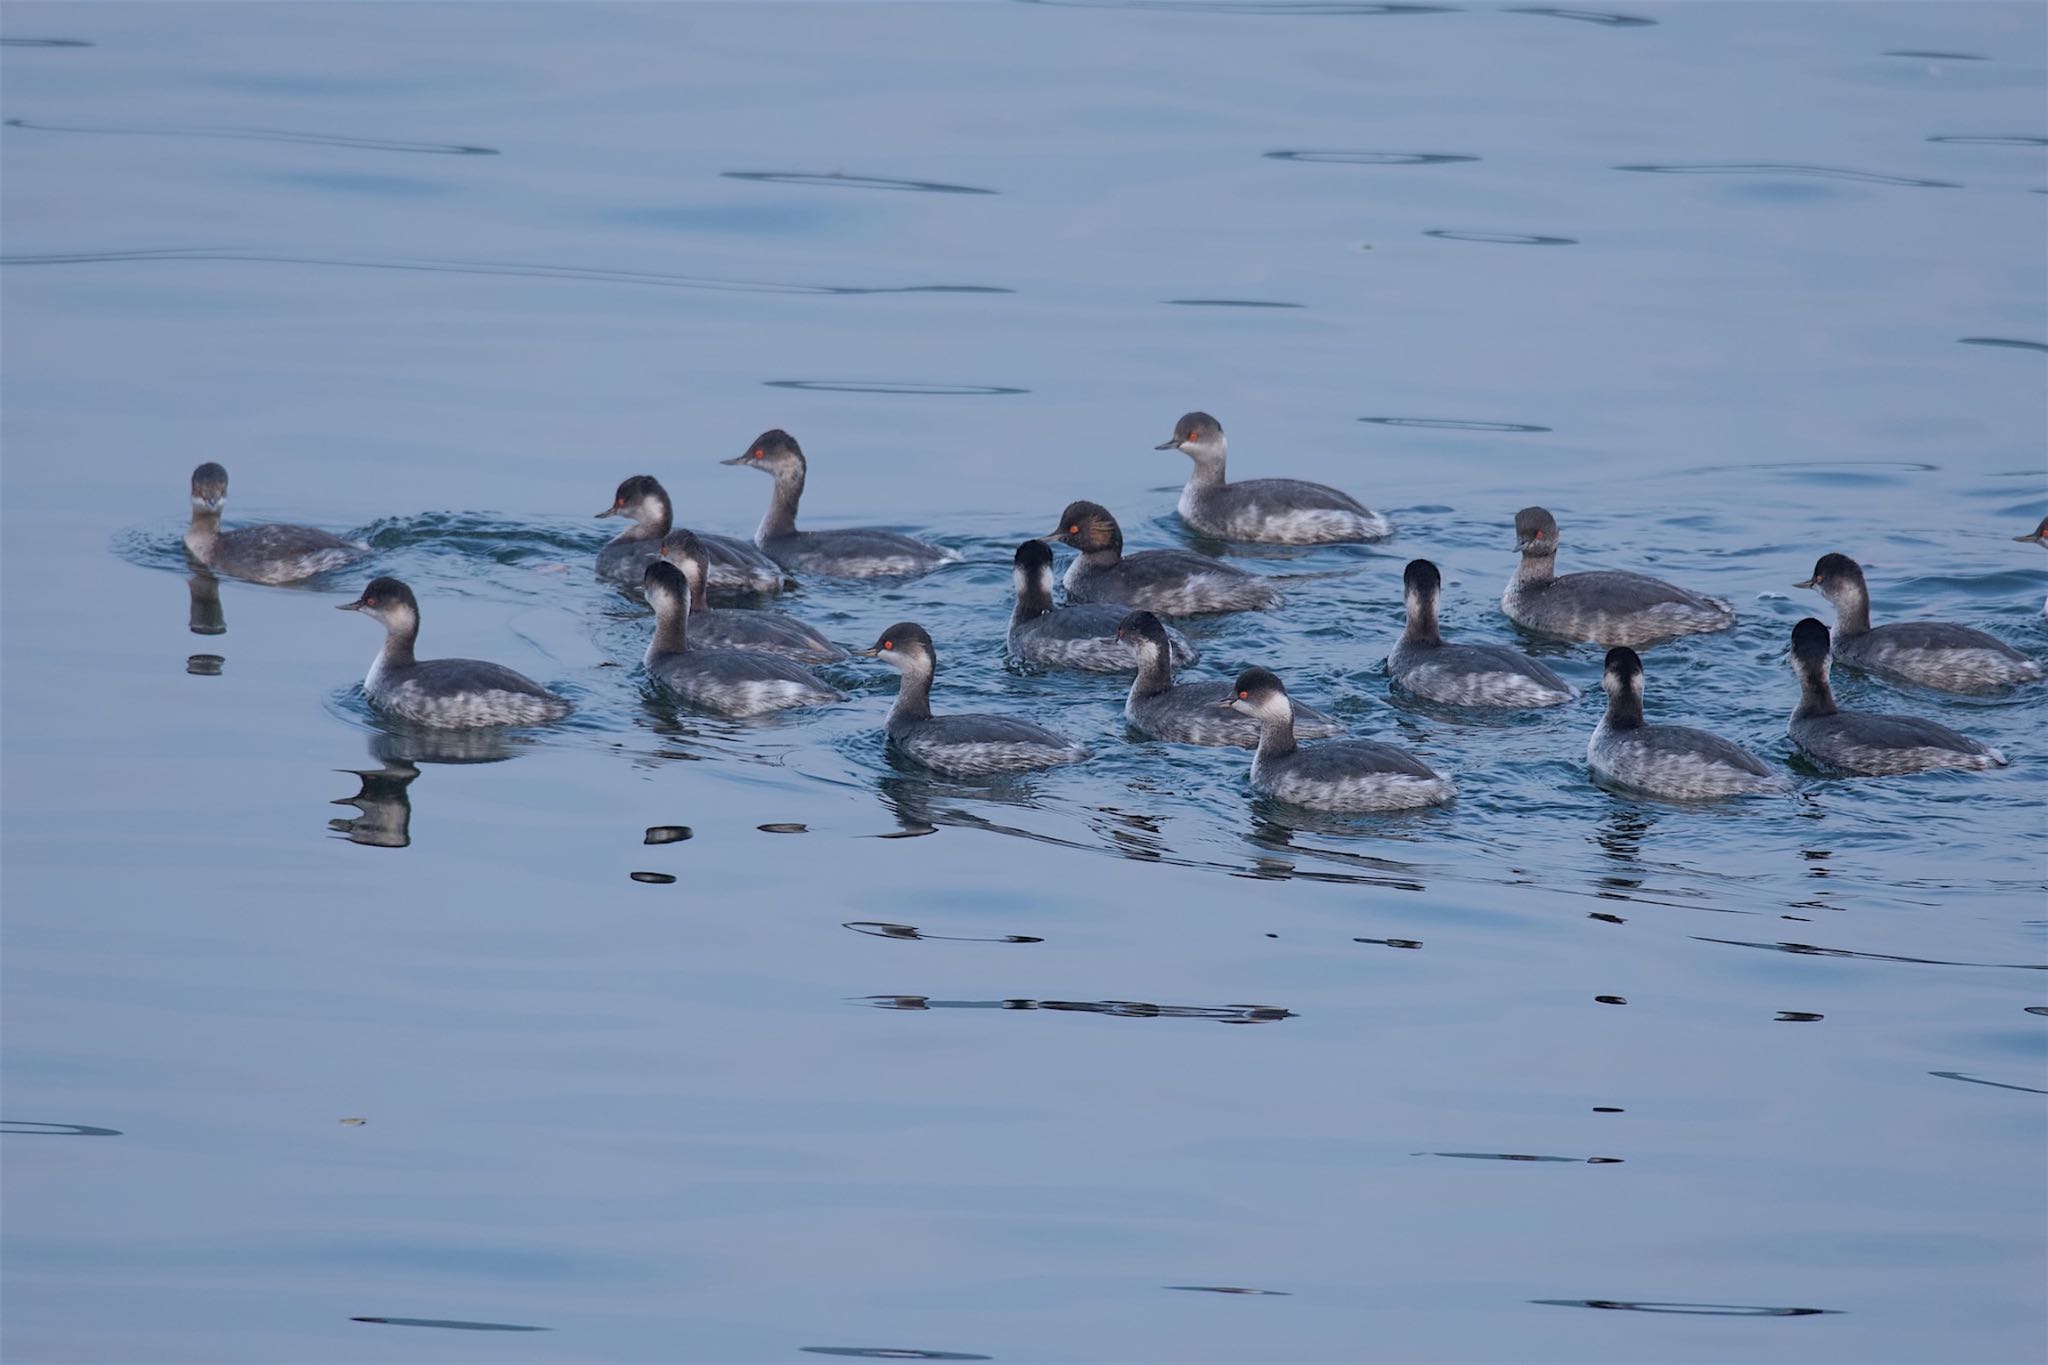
x=1865, y=743
x=771, y=632
x=1936, y=654
x=271, y=553
x=1463, y=675
x=862, y=552
x=1676, y=762
x=1266, y=511
x=1170, y=582
x=2038, y=536
x=1193, y=712
x=1604, y=606
x=1080, y=635
x=449, y=694
x=726, y=682
x=1346, y=776
x=958, y=745
x=732, y=565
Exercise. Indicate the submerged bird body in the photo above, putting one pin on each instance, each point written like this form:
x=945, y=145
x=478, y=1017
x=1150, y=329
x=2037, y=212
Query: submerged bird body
x=957, y=745
x=269, y=553
x=1935, y=654
x=1170, y=582
x=1865, y=743
x=861, y=552
x=1193, y=712
x=1268, y=511
x=1463, y=675
x=770, y=632
x=731, y=565
x=726, y=682
x=1346, y=776
x=1607, y=607
x=453, y=694
x=1676, y=762
x=1082, y=636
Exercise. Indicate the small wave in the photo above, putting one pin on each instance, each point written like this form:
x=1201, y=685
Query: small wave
x=369, y=144
x=840, y=180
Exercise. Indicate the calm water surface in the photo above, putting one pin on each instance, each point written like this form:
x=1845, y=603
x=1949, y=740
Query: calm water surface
x=683, y=1040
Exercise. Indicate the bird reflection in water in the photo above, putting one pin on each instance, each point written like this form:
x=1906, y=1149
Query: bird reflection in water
x=206, y=616
x=1620, y=837
x=383, y=806
x=1277, y=860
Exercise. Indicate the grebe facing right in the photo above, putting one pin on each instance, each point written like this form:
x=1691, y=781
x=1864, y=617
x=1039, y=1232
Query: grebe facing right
x=1865, y=743
x=1602, y=606
x=270, y=553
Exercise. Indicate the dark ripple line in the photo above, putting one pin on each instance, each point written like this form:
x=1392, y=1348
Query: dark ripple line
x=1520, y=1156
x=45, y=42
x=883, y=929
x=2012, y=342
x=1711, y=1310
x=516, y=268
x=2010, y=140
x=839, y=180
x=890, y=1353
x=1287, y=7
x=33, y=1128
x=454, y=1324
x=1772, y=168
x=1935, y=56
x=1372, y=158
x=1586, y=16
x=1809, y=950
x=1499, y=238
x=371, y=144
x=1452, y=424
x=1975, y=1080
x=1231, y=303
x=1230, y=1289
x=909, y=387
x=1122, y=1009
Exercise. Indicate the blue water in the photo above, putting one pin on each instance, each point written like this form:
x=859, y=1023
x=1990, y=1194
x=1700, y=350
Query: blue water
x=324, y=1045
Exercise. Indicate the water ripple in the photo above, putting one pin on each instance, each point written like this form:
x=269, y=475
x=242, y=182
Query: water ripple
x=884, y=929
x=28, y=1127
x=45, y=42
x=1499, y=238
x=841, y=180
x=370, y=144
x=453, y=1324
x=1261, y=7
x=1775, y=169
x=2013, y=140
x=1809, y=950
x=1711, y=1310
x=1374, y=158
x=531, y=270
x=2014, y=343
x=1978, y=1080
x=1232, y=303
x=1452, y=424
x=907, y=387
x=1122, y=1009
x=890, y=1353
x=1585, y=16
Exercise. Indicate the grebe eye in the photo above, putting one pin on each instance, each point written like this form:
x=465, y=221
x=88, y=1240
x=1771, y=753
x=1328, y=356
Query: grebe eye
x=755, y=453
x=1244, y=696
x=888, y=644
x=1073, y=530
